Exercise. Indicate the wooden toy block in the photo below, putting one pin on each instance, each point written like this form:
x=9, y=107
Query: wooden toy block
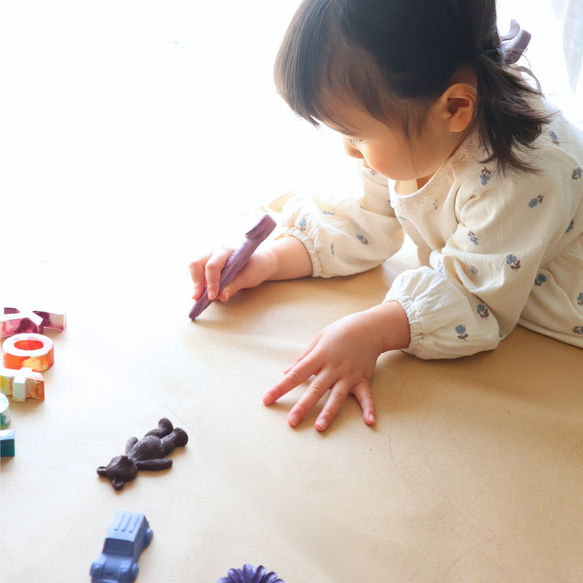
x=22, y=384
x=4, y=412
x=34, y=351
x=7, y=448
x=16, y=323
x=30, y=321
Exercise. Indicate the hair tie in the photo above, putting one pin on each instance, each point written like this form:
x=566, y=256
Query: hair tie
x=489, y=51
x=513, y=45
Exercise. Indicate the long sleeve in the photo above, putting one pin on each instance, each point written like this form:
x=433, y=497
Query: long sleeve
x=350, y=237
x=479, y=281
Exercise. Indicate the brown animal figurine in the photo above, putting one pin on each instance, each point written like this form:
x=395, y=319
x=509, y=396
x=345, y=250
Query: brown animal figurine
x=147, y=453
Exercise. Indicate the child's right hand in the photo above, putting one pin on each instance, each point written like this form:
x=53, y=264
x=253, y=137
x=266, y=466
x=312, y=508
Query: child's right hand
x=284, y=258
x=206, y=271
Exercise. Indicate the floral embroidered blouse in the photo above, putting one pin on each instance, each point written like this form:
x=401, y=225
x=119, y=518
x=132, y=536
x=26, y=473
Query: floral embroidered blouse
x=501, y=249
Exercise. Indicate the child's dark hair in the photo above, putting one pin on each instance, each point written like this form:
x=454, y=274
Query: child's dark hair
x=396, y=57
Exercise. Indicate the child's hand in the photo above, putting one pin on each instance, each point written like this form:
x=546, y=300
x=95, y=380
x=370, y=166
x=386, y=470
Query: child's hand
x=285, y=258
x=206, y=271
x=343, y=358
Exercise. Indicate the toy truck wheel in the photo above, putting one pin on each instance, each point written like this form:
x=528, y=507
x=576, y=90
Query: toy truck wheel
x=148, y=537
x=134, y=572
x=95, y=570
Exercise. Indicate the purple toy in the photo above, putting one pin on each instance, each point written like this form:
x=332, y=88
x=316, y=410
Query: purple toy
x=128, y=535
x=250, y=574
x=147, y=453
x=236, y=261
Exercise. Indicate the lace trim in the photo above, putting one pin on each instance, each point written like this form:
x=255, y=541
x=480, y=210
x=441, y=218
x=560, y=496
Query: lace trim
x=441, y=182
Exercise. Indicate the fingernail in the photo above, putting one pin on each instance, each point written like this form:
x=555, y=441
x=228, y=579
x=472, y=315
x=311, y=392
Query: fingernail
x=371, y=418
x=293, y=420
x=321, y=424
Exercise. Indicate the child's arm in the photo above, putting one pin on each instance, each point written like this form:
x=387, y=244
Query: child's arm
x=343, y=358
x=285, y=258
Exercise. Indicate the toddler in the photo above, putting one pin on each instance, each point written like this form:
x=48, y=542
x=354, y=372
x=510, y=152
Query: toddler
x=457, y=151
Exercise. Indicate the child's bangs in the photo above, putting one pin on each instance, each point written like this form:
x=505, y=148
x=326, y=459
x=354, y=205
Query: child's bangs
x=316, y=67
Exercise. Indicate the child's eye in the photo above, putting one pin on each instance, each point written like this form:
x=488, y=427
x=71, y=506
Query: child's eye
x=354, y=141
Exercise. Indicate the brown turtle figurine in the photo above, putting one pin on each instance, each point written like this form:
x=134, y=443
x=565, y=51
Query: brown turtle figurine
x=148, y=453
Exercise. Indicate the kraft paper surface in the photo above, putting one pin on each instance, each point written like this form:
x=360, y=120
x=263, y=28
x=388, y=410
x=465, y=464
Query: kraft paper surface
x=472, y=472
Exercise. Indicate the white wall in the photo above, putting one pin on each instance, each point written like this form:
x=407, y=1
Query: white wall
x=121, y=118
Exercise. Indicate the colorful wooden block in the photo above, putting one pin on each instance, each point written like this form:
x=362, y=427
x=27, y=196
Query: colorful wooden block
x=22, y=384
x=4, y=412
x=17, y=321
x=7, y=448
x=34, y=351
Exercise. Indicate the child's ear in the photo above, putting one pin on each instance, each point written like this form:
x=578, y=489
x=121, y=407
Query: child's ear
x=459, y=102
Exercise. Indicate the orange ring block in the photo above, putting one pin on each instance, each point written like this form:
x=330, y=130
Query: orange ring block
x=34, y=351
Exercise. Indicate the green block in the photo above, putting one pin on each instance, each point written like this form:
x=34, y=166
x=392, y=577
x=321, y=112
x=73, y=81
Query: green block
x=4, y=412
x=7, y=443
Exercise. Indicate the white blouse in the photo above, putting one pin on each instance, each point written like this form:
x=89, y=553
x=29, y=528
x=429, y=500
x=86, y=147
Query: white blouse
x=502, y=249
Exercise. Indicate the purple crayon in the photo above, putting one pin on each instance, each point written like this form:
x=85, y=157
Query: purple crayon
x=236, y=261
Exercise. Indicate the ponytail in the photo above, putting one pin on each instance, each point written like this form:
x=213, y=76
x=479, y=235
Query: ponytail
x=507, y=121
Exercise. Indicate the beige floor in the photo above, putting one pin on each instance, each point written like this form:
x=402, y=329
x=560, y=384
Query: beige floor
x=136, y=145
x=472, y=472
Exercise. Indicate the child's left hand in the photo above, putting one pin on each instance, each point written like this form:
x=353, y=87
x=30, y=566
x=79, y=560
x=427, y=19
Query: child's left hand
x=343, y=358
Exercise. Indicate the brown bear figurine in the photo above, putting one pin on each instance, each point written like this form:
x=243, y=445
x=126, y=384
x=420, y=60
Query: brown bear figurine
x=148, y=453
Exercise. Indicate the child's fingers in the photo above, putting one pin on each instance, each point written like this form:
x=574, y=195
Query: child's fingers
x=213, y=268
x=318, y=387
x=230, y=290
x=302, y=355
x=335, y=401
x=294, y=377
x=364, y=398
x=196, y=269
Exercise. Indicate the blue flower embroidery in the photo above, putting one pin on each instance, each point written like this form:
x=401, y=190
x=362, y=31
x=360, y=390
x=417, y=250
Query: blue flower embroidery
x=540, y=279
x=329, y=213
x=302, y=225
x=580, y=299
x=461, y=332
x=482, y=311
x=555, y=138
x=332, y=249
x=570, y=227
x=536, y=201
x=435, y=205
x=472, y=237
x=362, y=239
x=513, y=262
x=473, y=270
x=578, y=330
x=577, y=173
x=485, y=176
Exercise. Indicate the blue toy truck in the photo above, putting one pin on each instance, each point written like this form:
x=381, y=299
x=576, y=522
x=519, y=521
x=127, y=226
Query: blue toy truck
x=128, y=535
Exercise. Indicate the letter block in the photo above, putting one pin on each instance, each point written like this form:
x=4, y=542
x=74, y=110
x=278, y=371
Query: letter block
x=22, y=384
x=15, y=321
x=7, y=443
x=4, y=412
x=34, y=351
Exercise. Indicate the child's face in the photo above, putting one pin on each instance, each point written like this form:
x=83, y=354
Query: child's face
x=388, y=151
